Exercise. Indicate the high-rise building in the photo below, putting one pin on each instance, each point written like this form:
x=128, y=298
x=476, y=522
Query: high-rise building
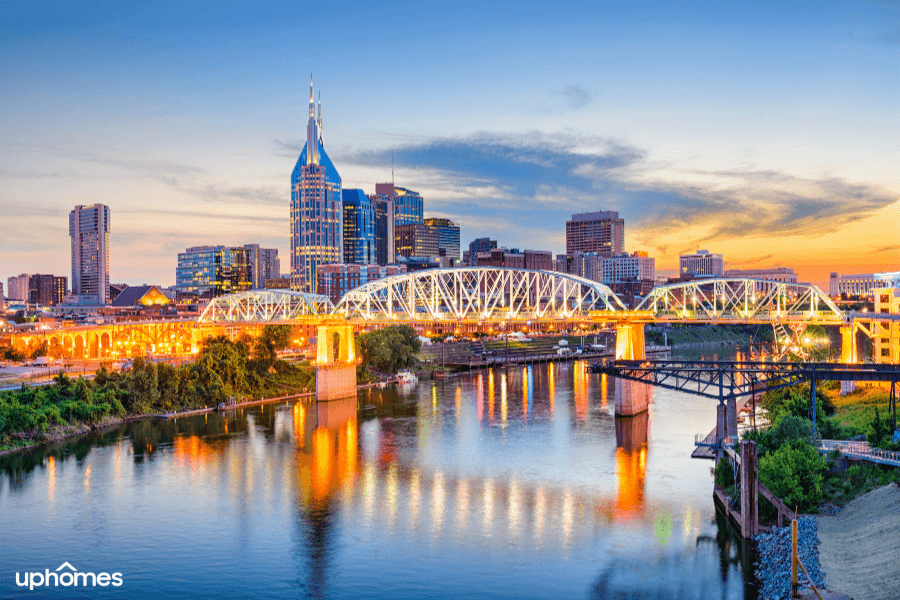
x=316, y=207
x=417, y=240
x=359, y=228
x=394, y=206
x=478, y=246
x=210, y=271
x=702, y=264
x=600, y=232
x=18, y=287
x=628, y=267
x=448, y=237
x=89, y=230
x=264, y=264
x=46, y=290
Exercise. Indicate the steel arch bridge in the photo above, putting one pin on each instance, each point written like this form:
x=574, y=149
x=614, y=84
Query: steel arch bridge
x=740, y=300
x=264, y=306
x=477, y=294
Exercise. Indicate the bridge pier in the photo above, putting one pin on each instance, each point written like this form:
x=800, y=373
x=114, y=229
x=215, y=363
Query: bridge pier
x=849, y=354
x=630, y=341
x=335, y=375
x=632, y=397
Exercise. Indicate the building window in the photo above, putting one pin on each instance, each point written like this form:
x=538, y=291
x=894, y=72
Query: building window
x=886, y=352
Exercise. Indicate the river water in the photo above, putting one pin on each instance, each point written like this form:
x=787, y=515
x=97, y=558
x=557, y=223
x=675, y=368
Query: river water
x=505, y=484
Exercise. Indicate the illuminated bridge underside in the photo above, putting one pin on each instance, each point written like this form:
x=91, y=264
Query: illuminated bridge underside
x=265, y=306
x=477, y=294
x=740, y=300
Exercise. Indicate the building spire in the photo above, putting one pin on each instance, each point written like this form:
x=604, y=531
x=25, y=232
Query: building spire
x=320, y=115
x=312, y=129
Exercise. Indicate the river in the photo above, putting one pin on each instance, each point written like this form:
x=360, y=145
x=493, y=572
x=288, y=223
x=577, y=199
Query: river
x=504, y=484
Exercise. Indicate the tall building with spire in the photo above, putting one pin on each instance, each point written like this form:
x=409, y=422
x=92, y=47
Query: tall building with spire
x=316, y=208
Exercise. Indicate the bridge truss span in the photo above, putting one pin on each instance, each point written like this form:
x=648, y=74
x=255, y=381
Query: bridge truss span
x=741, y=300
x=477, y=293
x=265, y=306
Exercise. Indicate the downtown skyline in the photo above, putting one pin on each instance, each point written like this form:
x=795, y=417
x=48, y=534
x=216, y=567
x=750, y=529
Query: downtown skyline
x=762, y=132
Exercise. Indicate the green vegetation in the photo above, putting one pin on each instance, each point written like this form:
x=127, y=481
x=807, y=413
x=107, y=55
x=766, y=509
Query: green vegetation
x=790, y=465
x=389, y=349
x=728, y=334
x=224, y=369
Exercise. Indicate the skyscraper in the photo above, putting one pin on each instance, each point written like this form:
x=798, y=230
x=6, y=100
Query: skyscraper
x=264, y=264
x=448, y=237
x=210, y=271
x=89, y=229
x=600, y=232
x=394, y=207
x=359, y=228
x=316, y=207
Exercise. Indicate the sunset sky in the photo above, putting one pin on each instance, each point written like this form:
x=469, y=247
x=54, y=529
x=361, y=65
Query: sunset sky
x=766, y=132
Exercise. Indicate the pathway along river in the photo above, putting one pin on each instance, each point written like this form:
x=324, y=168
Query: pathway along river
x=504, y=484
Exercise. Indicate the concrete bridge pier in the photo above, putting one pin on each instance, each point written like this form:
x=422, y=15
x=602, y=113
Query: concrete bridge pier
x=335, y=374
x=632, y=397
x=630, y=341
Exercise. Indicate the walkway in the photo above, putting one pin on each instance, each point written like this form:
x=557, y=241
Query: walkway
x=862, y=451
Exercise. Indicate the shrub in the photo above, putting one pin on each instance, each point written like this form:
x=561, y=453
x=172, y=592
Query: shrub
x=794, y=473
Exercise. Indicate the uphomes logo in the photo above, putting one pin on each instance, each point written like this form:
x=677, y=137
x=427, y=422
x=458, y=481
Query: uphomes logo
x=67, y=576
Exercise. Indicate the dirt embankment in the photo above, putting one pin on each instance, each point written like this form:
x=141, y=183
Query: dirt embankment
x=860, y=546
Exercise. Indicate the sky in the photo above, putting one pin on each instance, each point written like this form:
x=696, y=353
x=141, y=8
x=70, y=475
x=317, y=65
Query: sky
x=767, y=132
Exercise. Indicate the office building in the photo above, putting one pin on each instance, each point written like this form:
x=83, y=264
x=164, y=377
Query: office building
x=17, y=287
x=337, y=279
x=886, y=342
x=476, y=247
x=264, y=264
x=448, y=238
x=536, y=260
x=359, y=228
x=628, y=267
x=46, y=290
x=702, y=264
x=417, y=240
x=601, y=232
x=781, y=274
x=89, y=230
x=2, y=297
x=316, y=207
x=210, y=271
x=862, y=284
x=394, y=206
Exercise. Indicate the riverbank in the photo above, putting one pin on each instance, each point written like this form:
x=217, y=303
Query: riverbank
x=859, y=546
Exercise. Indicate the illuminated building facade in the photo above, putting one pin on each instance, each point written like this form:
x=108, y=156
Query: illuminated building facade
x=862, y=284
x=601, y=232
x=316, y=207
x=359, y=228
x=448, y=237
x=701, y=264
x=210, y=271
x=394, y=207
x=336, y=280
x=89, y=230
x=416, y=240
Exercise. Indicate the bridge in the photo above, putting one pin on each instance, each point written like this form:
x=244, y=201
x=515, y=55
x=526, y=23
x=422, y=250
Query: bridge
x=483, y=299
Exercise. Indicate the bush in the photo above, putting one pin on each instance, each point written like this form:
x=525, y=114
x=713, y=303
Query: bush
x=794, y=473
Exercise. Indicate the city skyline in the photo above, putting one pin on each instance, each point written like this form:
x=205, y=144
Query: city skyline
x=704, y=127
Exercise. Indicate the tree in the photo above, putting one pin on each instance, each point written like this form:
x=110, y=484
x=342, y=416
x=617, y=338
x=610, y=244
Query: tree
x=389, y=349
x=794, y=473
x=143, y=386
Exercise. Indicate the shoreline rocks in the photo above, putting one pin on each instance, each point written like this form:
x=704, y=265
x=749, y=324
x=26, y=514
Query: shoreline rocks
x=773, y=570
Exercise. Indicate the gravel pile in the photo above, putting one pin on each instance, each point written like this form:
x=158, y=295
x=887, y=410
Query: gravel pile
x=829, y=510
x=774, y=567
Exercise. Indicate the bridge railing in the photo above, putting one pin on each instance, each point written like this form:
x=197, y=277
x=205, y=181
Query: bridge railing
x=861, y=450
x=713, y=441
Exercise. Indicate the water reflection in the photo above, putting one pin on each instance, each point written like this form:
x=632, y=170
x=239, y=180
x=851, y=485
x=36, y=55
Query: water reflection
x=554, y=481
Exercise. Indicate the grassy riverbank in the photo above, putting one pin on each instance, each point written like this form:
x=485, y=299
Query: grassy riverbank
x=224, y=370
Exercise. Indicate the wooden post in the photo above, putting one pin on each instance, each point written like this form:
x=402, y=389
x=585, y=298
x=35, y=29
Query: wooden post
x=794, y=558
x=749, y=490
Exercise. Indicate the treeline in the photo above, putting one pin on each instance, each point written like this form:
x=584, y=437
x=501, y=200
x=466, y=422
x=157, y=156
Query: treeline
x=224, y=369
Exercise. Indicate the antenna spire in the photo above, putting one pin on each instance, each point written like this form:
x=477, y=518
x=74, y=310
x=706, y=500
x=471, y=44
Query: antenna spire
x=320, y=115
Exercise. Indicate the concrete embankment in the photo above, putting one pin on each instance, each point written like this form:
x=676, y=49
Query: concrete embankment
x=860, y=546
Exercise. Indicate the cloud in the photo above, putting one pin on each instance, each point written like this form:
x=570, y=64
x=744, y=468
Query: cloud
x=575, y=95
x=534, y=181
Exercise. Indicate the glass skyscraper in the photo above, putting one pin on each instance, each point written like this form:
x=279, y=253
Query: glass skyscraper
x=316, y=207
x=448, y=237
x=394, y=207
x=359, y=228
x=210, y=271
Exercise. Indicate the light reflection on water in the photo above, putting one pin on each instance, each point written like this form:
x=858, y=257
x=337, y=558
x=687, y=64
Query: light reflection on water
x=427, y=490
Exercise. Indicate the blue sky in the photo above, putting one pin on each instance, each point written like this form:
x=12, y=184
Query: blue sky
x=763, y=131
